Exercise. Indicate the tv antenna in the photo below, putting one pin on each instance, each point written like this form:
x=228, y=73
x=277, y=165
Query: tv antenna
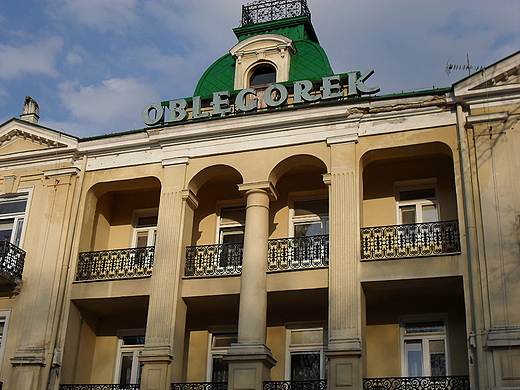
x=468, y=67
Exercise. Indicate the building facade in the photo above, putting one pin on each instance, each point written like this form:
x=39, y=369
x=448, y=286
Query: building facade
x=283, y=228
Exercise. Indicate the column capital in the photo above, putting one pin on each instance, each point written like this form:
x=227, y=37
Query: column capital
x=190, y=198
x=255, y=186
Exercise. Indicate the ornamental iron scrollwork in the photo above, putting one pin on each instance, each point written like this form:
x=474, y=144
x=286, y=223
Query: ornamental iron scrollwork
x=268, y=11
x=418, y=383
x=413, y=240
x=298, y=253
x=100, y=387
x=11, y=261
x=115, y=264
x=214, y=260
x=200, y=386
x=320, y=384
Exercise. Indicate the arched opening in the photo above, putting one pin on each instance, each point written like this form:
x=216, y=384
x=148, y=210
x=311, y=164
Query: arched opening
x=264, y=74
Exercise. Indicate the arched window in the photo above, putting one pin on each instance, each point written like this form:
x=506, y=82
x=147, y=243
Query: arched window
x=263, y=75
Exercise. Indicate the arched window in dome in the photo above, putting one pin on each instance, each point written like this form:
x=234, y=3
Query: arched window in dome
x=263, y=75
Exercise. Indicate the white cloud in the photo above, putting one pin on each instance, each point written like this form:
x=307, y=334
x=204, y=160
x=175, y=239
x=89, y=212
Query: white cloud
x=35, y=58
x=102, y=15
x=115, y=104
x=73, y=59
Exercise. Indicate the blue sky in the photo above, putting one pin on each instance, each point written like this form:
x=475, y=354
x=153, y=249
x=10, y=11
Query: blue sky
x=92, y=65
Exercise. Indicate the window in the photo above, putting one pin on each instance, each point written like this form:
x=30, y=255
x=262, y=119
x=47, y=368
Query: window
x=129, y=369
x=232, y=224
x=12, y=216
x=4, y=319
x=263, y=75
x=145, y=229
x=218, y=367
x=416, y=204
x=424, y=348
x=305, y=359
x=310, y=217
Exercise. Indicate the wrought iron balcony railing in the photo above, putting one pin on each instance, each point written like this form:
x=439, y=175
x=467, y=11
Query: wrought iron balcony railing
x=100, y=387
x=418, y=383
x=298, y=253
x=399, y=241
x=11, y=261
x=115, y=264
x=296, y=385
x=271, y=10
x=213, y=260
x=200, y=386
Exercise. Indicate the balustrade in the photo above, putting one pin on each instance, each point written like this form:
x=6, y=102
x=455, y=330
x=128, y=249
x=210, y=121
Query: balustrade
x=414, y=240
x=417, y=383
x=200, y=386
x=320, y=384
x=100, y=387
x=11, y=261
x=213, y=260
x=298, y=253
x=115, y=264
x=268, y=11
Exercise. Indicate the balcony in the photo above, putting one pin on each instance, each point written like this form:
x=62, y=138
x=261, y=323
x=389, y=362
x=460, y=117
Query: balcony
x=320, y=384
x=100, y=387
x=417, y=383
x=214, y=260
x=298, y=253
x=200, y=386
x=11, y=266
x=414, y=240
x=283, y=254
x=115, y=264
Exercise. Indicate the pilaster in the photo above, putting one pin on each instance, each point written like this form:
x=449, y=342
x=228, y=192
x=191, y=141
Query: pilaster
x=160, y=351
x=345, y=300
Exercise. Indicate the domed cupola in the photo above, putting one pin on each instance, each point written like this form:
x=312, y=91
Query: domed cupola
x=276, y=43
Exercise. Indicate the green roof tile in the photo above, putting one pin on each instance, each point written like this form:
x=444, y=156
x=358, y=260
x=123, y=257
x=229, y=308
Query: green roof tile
x=220, y=76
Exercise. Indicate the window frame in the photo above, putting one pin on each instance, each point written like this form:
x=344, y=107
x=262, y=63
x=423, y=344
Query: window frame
x=217, y=351
x=4, y=317
x=424, y=337
x=150, y=230
x=416, y=185
x=295, y=220
x=291, y=349
x=19, y=216
x=135, y=349
x=224, y=229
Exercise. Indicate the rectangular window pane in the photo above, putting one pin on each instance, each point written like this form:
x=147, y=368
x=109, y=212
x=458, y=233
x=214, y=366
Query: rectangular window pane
x=429, y=213
x=11, y=207
x=133, y=340
x=425, y=193
x=126, y=369
x=425, y=327
x=437, y=358
x=311, y=207
x=305, y=366
x=220, y=370
x=6, y=229
x=308, y=229
x=414, y=358
x=408, y=214
x=142, y=239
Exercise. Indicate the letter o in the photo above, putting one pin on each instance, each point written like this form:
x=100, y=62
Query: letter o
x=282, y=91
x=159, y=114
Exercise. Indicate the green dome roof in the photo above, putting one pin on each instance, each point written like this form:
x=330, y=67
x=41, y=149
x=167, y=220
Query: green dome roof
x=309, y=63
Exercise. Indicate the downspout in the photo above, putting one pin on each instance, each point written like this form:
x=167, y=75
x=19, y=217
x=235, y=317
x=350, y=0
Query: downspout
x=476, y=332
x=54, y=373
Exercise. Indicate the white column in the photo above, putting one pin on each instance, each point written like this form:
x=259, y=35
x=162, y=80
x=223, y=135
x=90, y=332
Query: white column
x=249, y=359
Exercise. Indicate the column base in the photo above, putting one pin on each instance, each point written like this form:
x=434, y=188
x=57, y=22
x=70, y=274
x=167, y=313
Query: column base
x=249, y=366
x=345, y=370
x=156, y=371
